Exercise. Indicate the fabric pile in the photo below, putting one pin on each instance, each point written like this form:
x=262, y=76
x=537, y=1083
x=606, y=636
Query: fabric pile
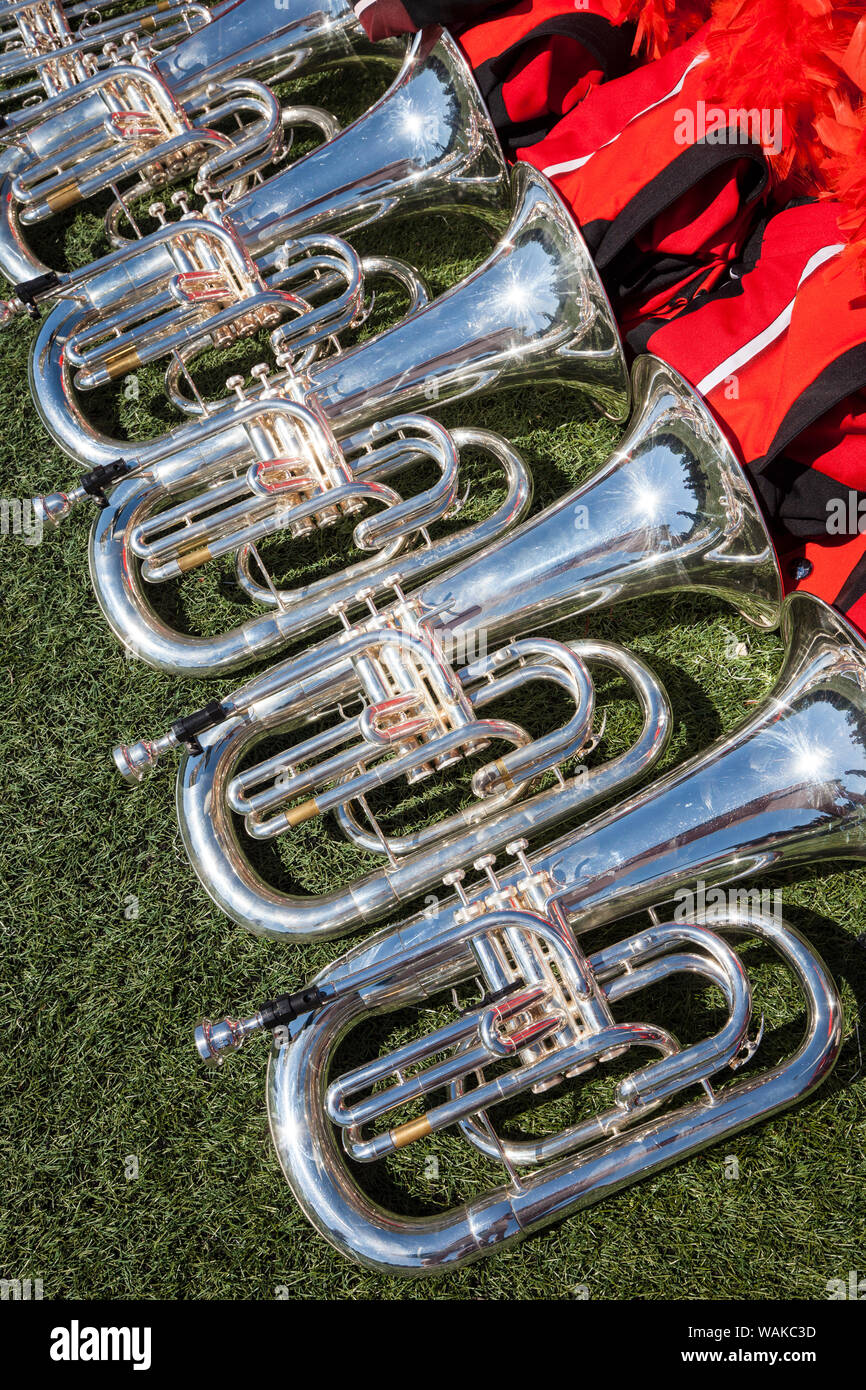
x=714, y=156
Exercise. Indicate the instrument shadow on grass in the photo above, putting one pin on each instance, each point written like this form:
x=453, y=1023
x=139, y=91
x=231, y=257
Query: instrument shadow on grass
x=839, y=945
x=709, y=695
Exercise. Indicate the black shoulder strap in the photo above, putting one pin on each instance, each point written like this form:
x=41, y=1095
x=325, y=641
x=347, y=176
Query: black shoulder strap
x=609, y=44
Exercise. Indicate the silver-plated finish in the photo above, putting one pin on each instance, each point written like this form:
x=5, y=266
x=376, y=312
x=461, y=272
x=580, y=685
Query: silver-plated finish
x=787, y=785
x=571, y=336
x=48, y=47
x=670, y=510
x=165, y=109
x=214, y=1039
x=578, y=1166
x=124, y=130
x=206, y=789
x=125, y=596
x=535, y=311
x=249, y=39
x=785, y=788
x=427, y=145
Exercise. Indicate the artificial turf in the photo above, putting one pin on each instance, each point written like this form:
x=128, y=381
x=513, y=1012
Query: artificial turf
x=129, y=1171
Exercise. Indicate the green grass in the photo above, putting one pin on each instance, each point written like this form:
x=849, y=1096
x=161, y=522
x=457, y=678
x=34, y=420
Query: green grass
x=111, y=951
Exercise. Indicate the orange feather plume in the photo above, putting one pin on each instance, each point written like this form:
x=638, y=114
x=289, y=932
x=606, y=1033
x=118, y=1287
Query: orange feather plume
x=801, y=57
x=663, y=24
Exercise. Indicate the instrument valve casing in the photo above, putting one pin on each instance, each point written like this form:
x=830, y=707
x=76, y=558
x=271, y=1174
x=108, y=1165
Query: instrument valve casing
x=534, y=891
x=471, y=912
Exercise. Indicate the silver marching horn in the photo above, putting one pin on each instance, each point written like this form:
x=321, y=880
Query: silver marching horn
x=46, y=47
x=534, y=311
x=306, y=442
x=146, y=121
x=292, y=453
x=787, y=787
x=427, y=145
x=670, y=510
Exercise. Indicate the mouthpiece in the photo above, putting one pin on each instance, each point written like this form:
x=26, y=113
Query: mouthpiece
x=54, y=506
x=214, y=1040
x=134, y=760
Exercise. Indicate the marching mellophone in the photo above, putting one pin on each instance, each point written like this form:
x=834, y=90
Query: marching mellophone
x=269, y=258
x=310, y=444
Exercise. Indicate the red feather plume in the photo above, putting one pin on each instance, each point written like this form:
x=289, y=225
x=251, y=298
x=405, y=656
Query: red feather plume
x=806, y=58
x=845, y=175
x=663, y=24
x=802, y=57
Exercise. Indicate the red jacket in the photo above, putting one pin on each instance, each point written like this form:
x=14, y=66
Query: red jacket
x=778, y=350
x=535, y=60
x=663, y=215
